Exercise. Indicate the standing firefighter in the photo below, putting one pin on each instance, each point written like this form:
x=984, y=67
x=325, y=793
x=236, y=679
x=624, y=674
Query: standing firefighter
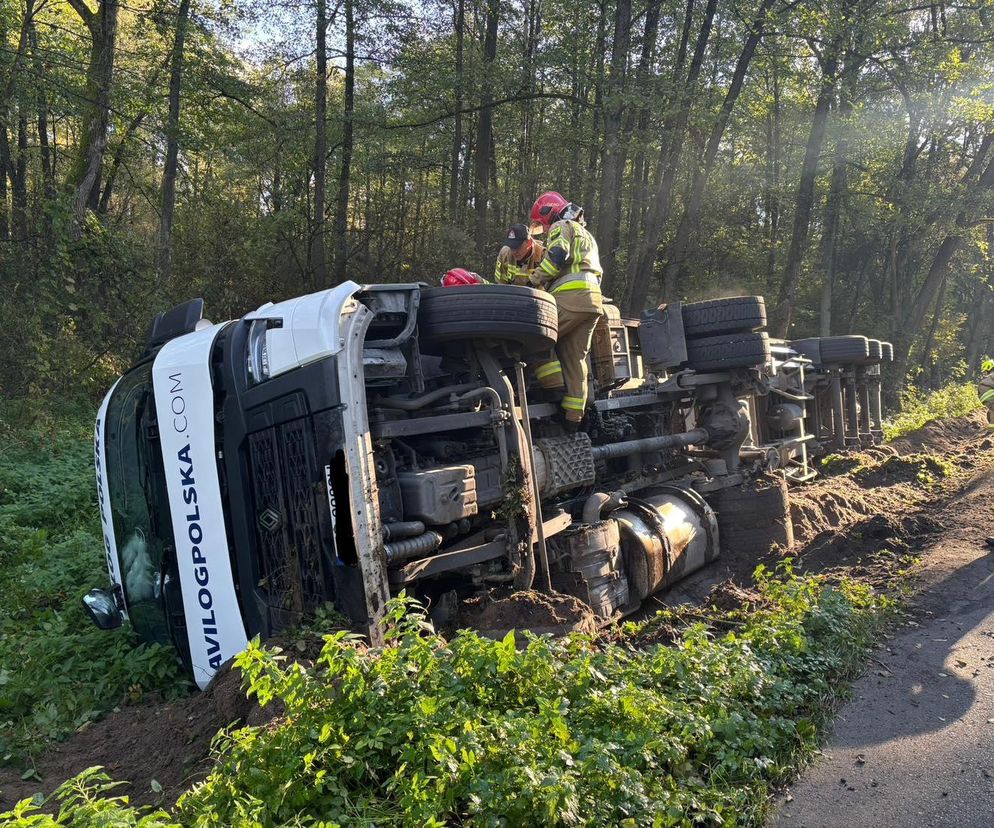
x=571, y=272
x=518, y=258
x=985, y=389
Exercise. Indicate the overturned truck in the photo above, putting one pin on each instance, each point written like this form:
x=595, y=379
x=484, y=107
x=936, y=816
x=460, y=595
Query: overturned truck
x=344, y=446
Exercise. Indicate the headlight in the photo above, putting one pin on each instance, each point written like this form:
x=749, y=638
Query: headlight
x=258, y=353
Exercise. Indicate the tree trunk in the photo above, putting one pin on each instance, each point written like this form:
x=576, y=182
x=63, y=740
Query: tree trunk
x=484, y=135
x=456, y=155
x=642, y=265
x=926, y=362
x=116, y=161
x=47, y=166
x=835, y=204
x=172, y=144
x=637, y=125
x=4, y=169
x=782, y=312
x=590, y=180
x=678, y=265
x=609, y=206
x=345, y=175
x=84, y=177
x=771, y=183
x=317, y=257
x=19, y=180
x=640, y=172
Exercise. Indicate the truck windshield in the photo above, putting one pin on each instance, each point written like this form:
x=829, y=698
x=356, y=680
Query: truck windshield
x=136, y=485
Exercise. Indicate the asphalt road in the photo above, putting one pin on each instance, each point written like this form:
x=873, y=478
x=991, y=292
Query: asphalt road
x=915, y=746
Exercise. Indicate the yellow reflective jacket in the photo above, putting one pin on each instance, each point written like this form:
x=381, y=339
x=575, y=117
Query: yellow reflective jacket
x=513, y=271
x=571, y=260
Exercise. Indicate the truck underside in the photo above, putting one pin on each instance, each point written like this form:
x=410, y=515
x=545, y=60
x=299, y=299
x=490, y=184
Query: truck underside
x=369, y=440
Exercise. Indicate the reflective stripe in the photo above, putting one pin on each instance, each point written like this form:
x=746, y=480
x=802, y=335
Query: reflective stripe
x=548, y=369
x=574, y=403
x=548, y=267
x=587, y=281
x=987, y=395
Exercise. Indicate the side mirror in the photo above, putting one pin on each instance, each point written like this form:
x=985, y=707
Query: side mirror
x=102, y=609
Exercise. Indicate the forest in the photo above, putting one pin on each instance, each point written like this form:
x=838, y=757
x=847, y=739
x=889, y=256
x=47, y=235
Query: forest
x=835, y=157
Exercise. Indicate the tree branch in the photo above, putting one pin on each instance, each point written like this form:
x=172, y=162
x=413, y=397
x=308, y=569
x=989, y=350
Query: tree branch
x=530, y=96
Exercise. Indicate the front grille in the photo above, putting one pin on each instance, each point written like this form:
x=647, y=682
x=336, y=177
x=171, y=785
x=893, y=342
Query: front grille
x=298, y=451
x=287, y=527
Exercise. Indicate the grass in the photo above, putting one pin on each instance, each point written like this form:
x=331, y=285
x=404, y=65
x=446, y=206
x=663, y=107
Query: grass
x=57, y=670
x=917, y=409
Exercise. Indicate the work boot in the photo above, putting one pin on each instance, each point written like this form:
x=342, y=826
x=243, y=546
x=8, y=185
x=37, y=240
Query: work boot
x=989, y=543
x=571, y=427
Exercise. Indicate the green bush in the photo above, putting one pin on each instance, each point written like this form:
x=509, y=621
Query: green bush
x=569, y=732
x=917, y=409
x=57, y=670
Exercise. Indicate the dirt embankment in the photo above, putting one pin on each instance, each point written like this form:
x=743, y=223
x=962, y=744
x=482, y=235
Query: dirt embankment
x=865, y=512
x=160, y=748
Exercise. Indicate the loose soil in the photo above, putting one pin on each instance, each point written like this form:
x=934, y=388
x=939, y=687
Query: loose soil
x=539, y=612
x=863, y=517
x=165, y=743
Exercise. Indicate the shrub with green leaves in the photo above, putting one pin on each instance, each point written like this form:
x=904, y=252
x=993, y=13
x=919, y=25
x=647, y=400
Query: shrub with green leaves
x=568, y=732
x=57, y=670
x=917, y=409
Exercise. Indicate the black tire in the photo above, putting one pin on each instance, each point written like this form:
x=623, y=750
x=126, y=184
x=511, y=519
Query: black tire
x=740, y=350
x=887, y=350
x=876, y=351
x=721, y=316
x=519, y=315
x=753, y=517
x=810, y=348
x=844, y=349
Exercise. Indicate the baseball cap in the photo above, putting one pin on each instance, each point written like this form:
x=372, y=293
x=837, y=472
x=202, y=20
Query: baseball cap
x=516, y=236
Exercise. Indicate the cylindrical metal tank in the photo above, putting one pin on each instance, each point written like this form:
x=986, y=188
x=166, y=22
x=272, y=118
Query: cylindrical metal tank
x=665, y=536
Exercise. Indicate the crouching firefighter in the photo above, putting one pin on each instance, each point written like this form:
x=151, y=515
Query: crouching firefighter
x=518, y=258
x=571, y=271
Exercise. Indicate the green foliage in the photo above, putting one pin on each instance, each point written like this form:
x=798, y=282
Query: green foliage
x=917, y=409
x=430, y=732
x=85, y=801
x=57, y=670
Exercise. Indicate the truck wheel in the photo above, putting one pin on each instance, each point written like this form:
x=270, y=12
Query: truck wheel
x=876, y=350
x=520, y=315
x=728, y=351
x=844, y=349
x=887, y=351
x=720, y=316
x=753, y=517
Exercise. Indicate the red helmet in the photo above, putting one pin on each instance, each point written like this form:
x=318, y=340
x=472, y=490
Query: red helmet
x=547, y=210
x=459, y=276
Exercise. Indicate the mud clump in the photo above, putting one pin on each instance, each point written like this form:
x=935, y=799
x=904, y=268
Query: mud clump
x=539, y=612
x=729, y=596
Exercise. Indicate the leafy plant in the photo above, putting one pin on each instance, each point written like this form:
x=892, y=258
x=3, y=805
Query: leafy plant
x=58, y=671
x=917, y=409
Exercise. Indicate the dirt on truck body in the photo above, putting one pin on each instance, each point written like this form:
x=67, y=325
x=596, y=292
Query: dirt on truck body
x=347, y=445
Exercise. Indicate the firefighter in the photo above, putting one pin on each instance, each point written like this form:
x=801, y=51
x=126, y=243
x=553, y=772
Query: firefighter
x=985, y=390
x=571, y=271
x=518, y=258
